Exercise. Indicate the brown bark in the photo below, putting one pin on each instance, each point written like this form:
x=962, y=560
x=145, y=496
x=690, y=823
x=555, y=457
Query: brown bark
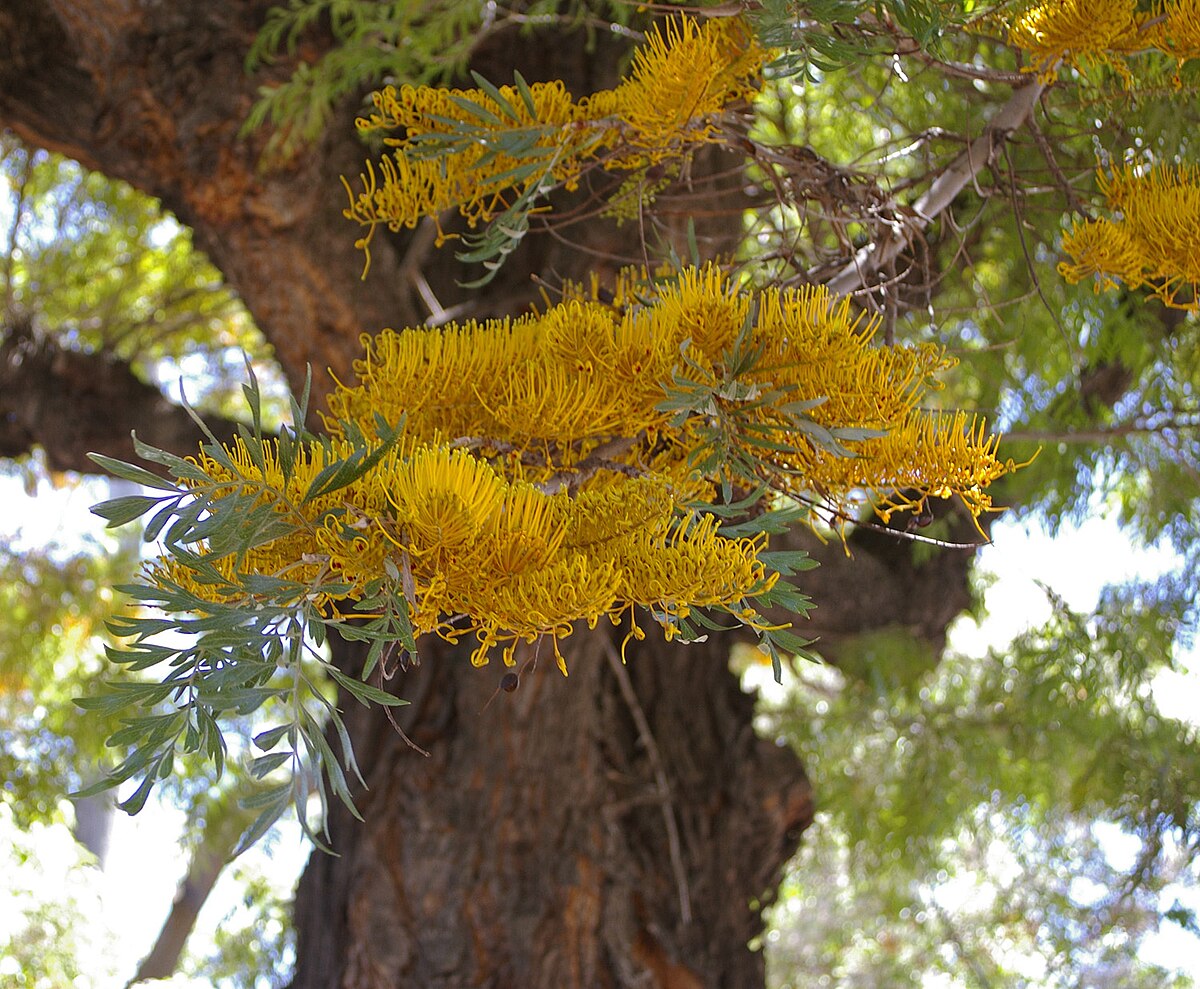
x=155, y=94
x=886, y=579
x=531, y=848
x=71, y=404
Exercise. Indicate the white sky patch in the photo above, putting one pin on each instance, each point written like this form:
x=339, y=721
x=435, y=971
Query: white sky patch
x=58, y=515
x=1077, y=562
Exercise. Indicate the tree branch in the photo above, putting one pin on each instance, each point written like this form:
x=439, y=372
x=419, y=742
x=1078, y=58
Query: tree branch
x=868, y=261
x=71, y=404
x=1177, y=419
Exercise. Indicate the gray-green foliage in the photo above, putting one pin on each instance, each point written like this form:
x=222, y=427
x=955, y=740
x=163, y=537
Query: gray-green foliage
x=225, y=661
x=964, y=809
x=827, y=35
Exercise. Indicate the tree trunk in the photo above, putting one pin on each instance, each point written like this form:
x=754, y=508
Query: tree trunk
x=620, y=827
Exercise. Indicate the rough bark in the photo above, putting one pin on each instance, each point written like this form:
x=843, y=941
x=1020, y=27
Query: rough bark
x=155, y=94
x=542, y=843
x=537, y=846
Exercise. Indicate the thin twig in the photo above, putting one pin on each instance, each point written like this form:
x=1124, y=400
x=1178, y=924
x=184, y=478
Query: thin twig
x=660, y=776
x=1039, y=138
x=1102, y=434
x=841, y=516
x=962, y=171
x=1037, y=282
x=599, y=459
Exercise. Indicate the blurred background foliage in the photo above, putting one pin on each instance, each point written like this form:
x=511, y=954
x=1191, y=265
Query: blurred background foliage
x=1024, y=815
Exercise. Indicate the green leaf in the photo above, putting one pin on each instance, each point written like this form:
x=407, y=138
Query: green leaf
x=364, y=692
x=262, y=824
x=267, y=740
x=177, y=465
x=482, y=112
x=159, y=520
x=501, y=101
x=526, y=94
x=776, y=521
x=787, y=562
x=131, y=472
x=137, y=800
x=268, y=797
x=120, y=511
x=253, y=398
x=264, y=764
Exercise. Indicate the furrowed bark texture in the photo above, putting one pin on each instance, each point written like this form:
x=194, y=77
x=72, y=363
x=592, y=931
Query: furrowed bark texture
x=575, y=832
x=155, y=94
x=531, y=848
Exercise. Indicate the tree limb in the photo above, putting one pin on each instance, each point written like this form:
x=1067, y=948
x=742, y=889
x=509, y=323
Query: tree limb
x=874, y=257
x=72, y=403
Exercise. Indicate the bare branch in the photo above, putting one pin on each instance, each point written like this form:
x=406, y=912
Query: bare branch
x=874, y=257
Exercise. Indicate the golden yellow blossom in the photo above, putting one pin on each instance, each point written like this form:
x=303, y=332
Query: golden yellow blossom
x=546, y=395
x=1174, y=28
x=1077, y=31
x=413, y=185
x=1153, y=239
x=537, y=481
x=1104, y=32
x=680, y=80
x=677, y=85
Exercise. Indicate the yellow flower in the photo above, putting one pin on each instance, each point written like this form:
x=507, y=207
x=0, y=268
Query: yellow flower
x=537, y=396
x=1174, y=28
x=1083, y=32
x=680, y=81
x=294, y=554
x=1072, y=30
x=443, y=499
x=414, y=184
x=482, y=535
x=1154, y=239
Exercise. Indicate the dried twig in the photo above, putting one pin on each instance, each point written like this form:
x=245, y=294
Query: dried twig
x=660, y=777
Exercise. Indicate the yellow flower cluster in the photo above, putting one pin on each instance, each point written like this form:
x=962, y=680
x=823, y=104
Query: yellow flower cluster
x=937, y=455
x=262, y=483
x=536, y=481
x=481, y=554
x=1153, y=242
x=1082, y=32
x=544, y=395
x=678, y=82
